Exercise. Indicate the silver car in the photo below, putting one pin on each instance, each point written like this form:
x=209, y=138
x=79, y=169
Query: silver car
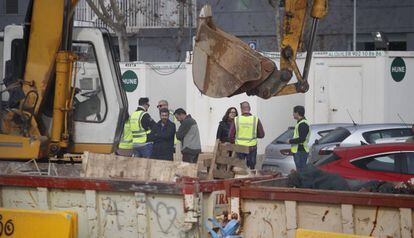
x=277, y=154
x=360, y=134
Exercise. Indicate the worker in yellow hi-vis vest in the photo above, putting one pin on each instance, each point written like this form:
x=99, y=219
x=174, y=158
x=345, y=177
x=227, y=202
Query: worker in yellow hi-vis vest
x=245, y=131
x=141, y=124
x=299, y=142
x=125, y=145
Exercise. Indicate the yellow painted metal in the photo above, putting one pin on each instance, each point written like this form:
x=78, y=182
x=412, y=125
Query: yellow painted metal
x=15, y=146
x=96, y=148
x=10, y=127
x=60, y=134
x=303, y=233
x=319, y=9
x=19, y=140
x=19, y=147
x=17, y=223
x=293, y=22
x=44, y=41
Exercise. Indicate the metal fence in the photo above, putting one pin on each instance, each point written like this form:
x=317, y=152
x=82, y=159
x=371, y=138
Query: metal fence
x=143, y=14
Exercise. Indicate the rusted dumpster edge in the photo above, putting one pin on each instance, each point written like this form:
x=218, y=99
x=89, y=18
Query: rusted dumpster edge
x=76, y=183
x=226, y=184
x=323, y=196
x=183, y=185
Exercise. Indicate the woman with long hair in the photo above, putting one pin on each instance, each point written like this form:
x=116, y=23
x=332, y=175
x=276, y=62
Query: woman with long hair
x=224, y=126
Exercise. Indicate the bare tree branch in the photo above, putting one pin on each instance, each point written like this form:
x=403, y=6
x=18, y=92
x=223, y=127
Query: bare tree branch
x=120, y=18
x=107, y=20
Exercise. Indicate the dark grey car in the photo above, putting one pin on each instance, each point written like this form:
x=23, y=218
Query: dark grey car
x=277, y=154
x=355, y=135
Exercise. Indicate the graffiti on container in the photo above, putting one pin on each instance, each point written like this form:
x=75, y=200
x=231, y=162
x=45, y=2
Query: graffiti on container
x=166, y=215
x=6, y=228
x=110, y=207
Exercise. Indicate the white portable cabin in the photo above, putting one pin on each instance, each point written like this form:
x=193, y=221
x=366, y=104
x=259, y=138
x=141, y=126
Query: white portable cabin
x=342, y=85
x=173, y=82
x=369, y=86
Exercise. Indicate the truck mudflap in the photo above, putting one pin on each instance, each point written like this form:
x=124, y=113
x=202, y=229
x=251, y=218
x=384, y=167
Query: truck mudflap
x=130, y=208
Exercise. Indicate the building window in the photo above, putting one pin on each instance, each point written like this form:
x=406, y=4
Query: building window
x=393, y=46
x=12, y=6
x=133, y=53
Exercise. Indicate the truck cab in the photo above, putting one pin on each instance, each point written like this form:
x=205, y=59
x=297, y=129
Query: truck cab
x=99, y=102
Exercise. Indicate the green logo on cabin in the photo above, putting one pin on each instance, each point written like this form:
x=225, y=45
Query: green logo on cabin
x=398, y=69
x=129, y=81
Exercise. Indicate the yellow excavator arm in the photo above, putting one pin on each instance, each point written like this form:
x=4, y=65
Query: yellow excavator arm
x=48, y=53
x=224, y=66
x=51, y=108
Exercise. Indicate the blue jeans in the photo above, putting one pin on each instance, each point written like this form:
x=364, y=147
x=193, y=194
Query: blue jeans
x=300, y=159
x=142, y=150
x=250, y=157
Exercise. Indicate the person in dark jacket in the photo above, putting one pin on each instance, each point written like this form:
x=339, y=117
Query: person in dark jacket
x=189, y=136
x=300, y=141
x=224, y=126
x=163, y=134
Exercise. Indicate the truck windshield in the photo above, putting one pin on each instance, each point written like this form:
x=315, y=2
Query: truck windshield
x=89, y=99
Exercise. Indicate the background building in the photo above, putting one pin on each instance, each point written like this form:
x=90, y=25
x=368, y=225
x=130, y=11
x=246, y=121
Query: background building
x=163, y=30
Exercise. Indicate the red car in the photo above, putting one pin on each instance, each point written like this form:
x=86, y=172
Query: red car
x=386, y=162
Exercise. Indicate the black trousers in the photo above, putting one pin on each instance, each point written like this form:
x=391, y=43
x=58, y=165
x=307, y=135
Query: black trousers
x=190, y=158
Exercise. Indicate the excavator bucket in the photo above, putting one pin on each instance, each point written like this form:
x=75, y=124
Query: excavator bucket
x=223, y=65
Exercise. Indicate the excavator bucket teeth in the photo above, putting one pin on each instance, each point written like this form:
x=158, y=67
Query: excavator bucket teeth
x=223, y=65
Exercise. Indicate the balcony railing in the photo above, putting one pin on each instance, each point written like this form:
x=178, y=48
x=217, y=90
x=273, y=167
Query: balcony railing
x=143, y=14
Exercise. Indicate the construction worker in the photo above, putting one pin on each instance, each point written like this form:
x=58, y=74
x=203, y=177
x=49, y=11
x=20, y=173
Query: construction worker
x=299, y=142
x=245, y=131
x=141, y=124
x=189, y=136
x=163, y=134
x=164, y=104
x=125, y=145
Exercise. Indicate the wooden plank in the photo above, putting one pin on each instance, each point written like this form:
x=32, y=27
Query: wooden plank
x=222, y=174
x=231, y=161
x=112, y=166
x=85, y=163
x=406, y=222
x=207, y=162
x=213, y=162
x=178, y=157
x=347, y=213
x=204, y=161
x=235, y=148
